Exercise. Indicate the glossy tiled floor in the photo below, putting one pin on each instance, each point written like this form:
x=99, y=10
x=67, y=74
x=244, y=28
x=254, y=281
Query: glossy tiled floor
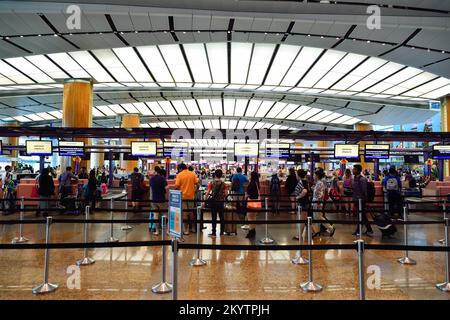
x=129, y=273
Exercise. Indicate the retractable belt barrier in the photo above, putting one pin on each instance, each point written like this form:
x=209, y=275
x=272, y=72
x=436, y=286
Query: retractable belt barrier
x=163, y=287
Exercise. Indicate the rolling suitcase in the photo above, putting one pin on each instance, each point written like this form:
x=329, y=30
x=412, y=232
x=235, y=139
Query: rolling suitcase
x=230, y=229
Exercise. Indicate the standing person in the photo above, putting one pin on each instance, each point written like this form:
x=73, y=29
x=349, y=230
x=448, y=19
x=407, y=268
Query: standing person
x=46, y=190
x=336, y=193
x=187, y=182
x=253, y=194
x=65, y=184
x=302, y=192
x=275, y=193
x=392, y=185
x=91, y=192
x=359, y=187
x=348, y=190
x=237, y=187
x=158, y=186
x=137, y=187
x=320, y=189
x=291, y=183
x=217, y=192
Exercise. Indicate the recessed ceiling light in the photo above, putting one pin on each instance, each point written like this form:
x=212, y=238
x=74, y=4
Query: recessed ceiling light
x=368, y=41
x=309, y=35
x=383, y=44
x=39, y=35
x=135, y=31
x=198, y=31
x=55, y=35
x=321, y=37
x=21, y=36
x=265, y=33
x=443, y=51
x=428, y=50
x=121, y=32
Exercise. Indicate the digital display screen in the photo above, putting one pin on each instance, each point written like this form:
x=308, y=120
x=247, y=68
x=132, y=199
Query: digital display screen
x=115, y=156
x=278, y=150
x=376, y=151
x=441, y=152
x=346, y=151
x=175, y=149
x=71, y=148
x=295, y=158
x=143, y=149
x=246, y=149
x=39, y=147
x=412, y=159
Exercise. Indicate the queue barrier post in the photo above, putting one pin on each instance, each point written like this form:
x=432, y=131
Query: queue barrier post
x=197, y=261
x=86, y=259
x=298, y=259
x=360, y=213
x=444, y=208
x=362, y=288
x=46, y=287
x=266, y=239
x=126, y=227
x=111, y=228
x=445, y=287
x=310, y=285
x=175, y=269
x=20, y=238
x=163, y=286
x=406, y=260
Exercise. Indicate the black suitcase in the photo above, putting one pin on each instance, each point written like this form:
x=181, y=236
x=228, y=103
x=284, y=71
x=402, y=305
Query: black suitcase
x=384, y=223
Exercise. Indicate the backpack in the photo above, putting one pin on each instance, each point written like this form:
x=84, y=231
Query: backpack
x=235, y=185
x=392, y=184
x=275, y=185
x=217, y=194
x=370, y=191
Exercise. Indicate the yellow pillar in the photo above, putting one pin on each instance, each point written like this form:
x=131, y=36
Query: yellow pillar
x=445, y=127
x=12, y=141
x=323, y=144
x=362, y=144
x=130, y=121
x=77, y=111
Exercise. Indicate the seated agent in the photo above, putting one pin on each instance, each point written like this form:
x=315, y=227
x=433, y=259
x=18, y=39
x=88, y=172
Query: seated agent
x=187, y=182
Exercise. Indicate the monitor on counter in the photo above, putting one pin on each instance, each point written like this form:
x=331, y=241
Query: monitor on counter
x=175, y=149
x=71, y=148
x=246, y=149
x=346, y=151
x=441, y=151
x=143, y=149
x=278, y=150
x=376, y=151
x=39, y=147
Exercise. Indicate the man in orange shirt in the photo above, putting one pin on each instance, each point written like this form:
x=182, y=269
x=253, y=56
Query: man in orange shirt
x=187, y=183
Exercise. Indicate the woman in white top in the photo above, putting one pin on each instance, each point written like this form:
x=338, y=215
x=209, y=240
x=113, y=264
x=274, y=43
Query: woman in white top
x=320, y=189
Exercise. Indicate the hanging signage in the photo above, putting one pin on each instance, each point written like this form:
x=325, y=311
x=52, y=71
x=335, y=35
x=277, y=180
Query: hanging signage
x=175, y=213
x=246, y=149
x=435, y=105
x=376, y=151
x=38, y=147
x=175, y=149
x=346, y=151
x=143, y=149
x=71, y=148
x=441, y=152
x=277, y=150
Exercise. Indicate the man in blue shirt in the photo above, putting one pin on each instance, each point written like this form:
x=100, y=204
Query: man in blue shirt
x=392, y=186
x=238, y=181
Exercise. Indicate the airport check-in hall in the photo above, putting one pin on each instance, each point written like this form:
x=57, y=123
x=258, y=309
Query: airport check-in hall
x=224, y=150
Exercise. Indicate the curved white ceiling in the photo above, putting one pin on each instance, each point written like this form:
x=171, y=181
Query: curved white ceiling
x=251, y=66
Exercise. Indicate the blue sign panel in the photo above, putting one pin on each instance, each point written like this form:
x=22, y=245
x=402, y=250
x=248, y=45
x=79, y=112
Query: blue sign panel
x=175, y=213
x=435, y=105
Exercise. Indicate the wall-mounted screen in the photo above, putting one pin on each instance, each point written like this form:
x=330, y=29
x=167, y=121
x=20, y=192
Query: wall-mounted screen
x=376, y=151
x=315, y=157
x=412, y=159
x=175, y=149
x=143, y=149
x=71, y=148
x=277, y=150
x=295, y=157
x=246, y=149
x=441, y=152
x=115, y=156
x=39, y=147
x=346, y=151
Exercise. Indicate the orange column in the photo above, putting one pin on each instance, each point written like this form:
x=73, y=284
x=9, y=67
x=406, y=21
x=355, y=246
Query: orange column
x=77, y=111
x=362, y=144
x=445, y=127
x=130, y=121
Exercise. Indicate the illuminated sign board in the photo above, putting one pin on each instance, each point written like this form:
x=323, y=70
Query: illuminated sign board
x=71, y=148
x=346, y=151
x=143, y=149
x=39, y=147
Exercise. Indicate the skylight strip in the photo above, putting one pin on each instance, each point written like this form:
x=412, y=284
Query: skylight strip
x=167, y=107
x=218, y=61
x=262, y=54
x=192, y=107
x=133, y=64
x=117, y=109
x=154, y=61
x=89, y=64
x=228, y=106
x=264, y=108
x=281, y=64
x=196, y=55
x=216, y=105
x=29, y=69
x=180, y=107
x=175, y=61
x=155, y=108
x=142, y=108
x=302, y=63
x=240, y=60
x=252, y=108
x=205, y=107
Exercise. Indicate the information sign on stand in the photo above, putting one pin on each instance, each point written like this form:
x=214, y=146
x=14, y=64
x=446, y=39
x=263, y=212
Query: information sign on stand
x=175, y=214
